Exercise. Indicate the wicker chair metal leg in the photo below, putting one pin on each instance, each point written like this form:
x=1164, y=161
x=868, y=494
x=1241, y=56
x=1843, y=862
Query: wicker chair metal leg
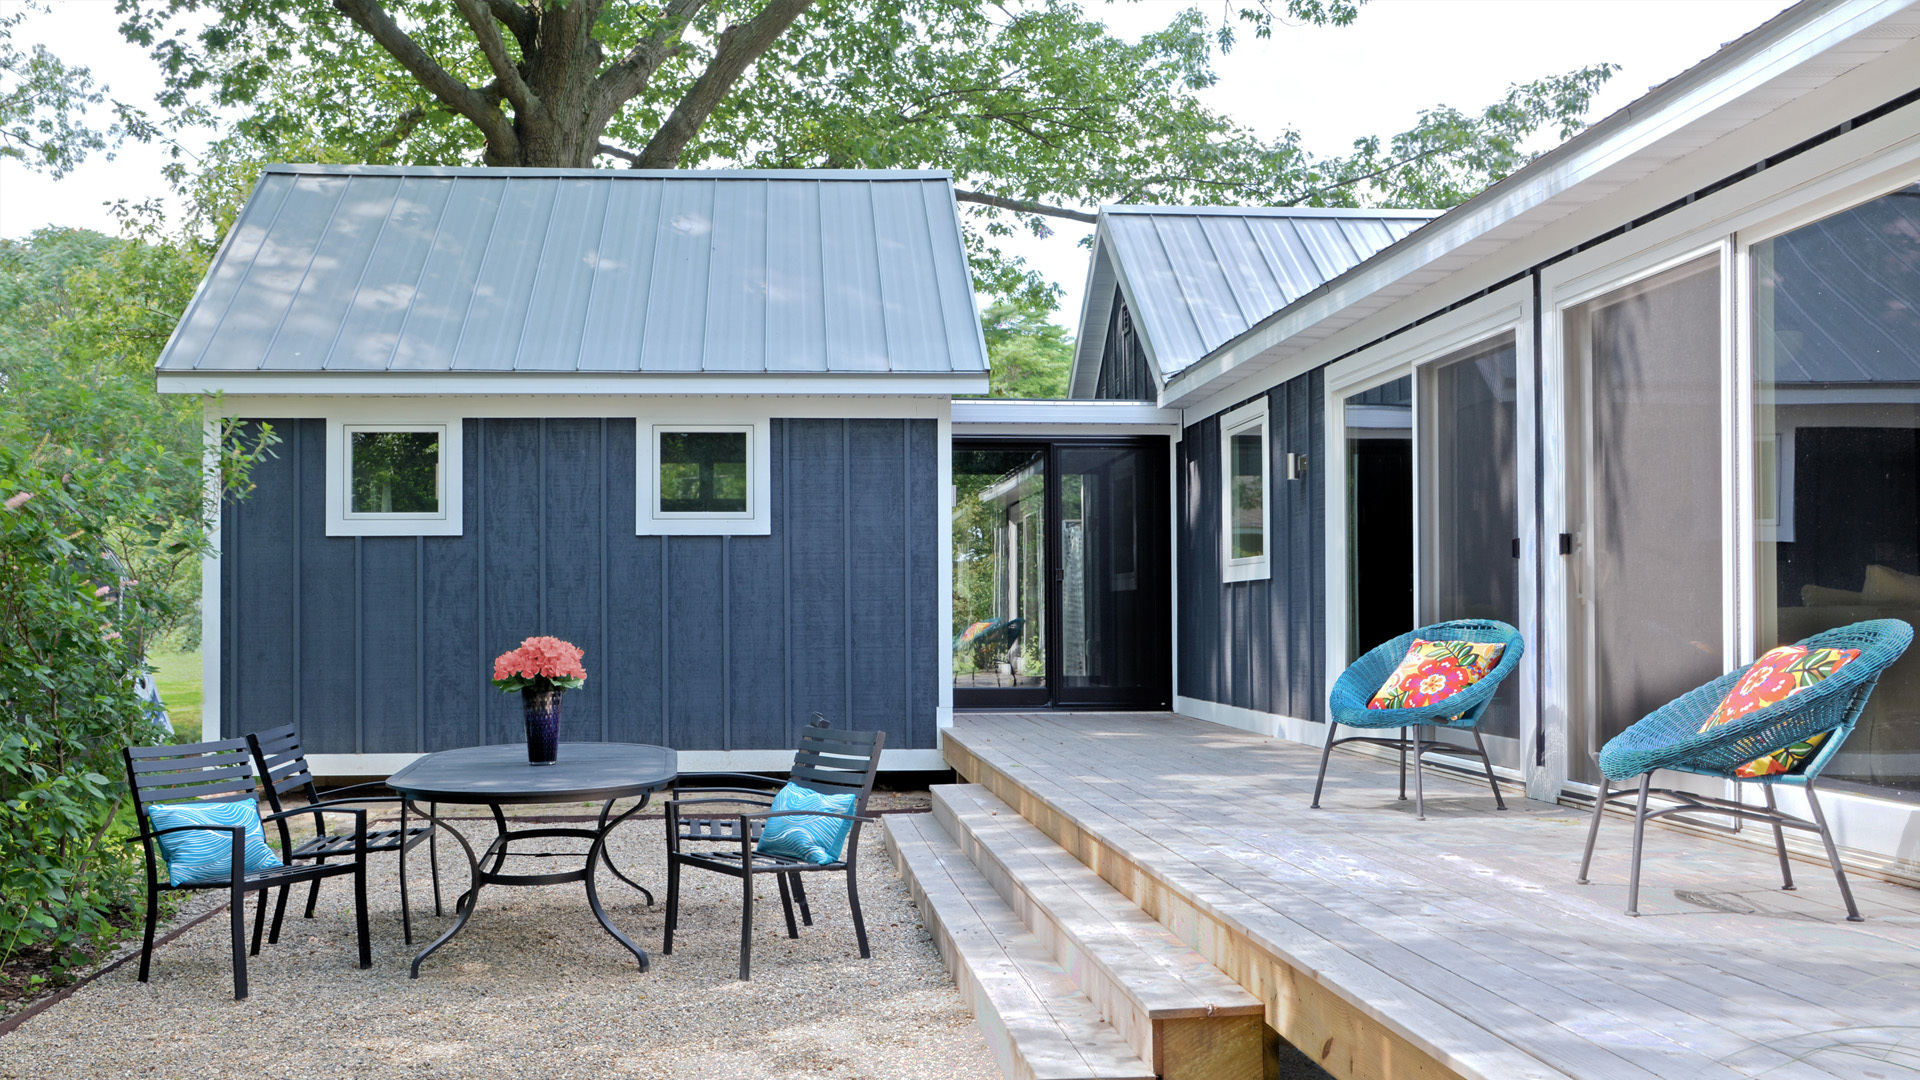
x=1779, y=842
x=1325, y=753
x=1419, y=786
x=1593, y=831
x=1639, y=834
x=1833, y=856
x=1498, y=802
x=1403, y=764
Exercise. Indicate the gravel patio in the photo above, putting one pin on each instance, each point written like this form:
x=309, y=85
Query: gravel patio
x=534, y=988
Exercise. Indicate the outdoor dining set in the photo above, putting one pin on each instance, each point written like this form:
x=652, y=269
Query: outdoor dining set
x=1776, y=722
x=199, y=811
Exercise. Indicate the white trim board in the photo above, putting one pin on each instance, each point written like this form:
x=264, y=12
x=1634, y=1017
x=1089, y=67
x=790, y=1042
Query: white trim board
x=466, y=384
x=332, y=766
x=699, y=409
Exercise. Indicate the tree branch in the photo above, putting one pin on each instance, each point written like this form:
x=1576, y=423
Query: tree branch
x=1024, y=206
x=495, y=48
x=738, y=47
x=517, y=19
x=627, y=156
x=371, y=17
x=623, y=81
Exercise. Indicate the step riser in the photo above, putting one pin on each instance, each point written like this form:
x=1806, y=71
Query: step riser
x=934, y=880
x=1127, y=1015
x=999, y=1040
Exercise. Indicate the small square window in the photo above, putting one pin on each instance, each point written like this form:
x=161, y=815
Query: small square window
x=393, y=472
x=393, y=479
x=703, y=472
x=703, y=479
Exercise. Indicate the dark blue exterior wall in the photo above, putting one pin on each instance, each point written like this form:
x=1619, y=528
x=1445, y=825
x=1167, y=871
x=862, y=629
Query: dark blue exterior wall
x=385, y=644
x=1258, y=644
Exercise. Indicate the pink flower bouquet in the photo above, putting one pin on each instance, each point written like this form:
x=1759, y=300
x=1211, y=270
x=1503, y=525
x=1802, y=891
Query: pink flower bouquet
x=540, y=663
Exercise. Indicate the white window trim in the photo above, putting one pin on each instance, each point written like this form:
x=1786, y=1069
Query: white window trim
x=1258, y=567
x=649, y=520
x=451, y=516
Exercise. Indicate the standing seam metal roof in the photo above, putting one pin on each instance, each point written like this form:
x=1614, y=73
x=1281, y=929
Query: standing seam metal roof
x=368, y=269
x=1195, y=277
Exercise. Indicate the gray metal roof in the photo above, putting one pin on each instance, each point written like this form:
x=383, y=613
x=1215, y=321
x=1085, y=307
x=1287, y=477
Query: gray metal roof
x=369, y=269
x=1195, y=277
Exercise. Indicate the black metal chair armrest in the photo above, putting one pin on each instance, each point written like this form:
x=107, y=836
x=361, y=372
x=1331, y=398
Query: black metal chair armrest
x=681, y=782
x=333, y=794
x=676, y=804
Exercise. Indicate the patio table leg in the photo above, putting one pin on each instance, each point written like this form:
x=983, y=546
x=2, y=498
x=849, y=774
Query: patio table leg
x=607, y=856
x=463, y=907
x=406, y=913
x=594, y=858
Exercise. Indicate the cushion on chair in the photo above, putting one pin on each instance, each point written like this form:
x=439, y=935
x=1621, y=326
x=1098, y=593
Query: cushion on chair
x=1434, y=670
x=206, y=855
x=1777, y=675
x=817, y=840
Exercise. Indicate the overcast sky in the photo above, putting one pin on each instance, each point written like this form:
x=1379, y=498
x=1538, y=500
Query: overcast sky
x=1332, y=85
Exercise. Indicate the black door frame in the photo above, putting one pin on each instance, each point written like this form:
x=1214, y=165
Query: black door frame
x=1153, y=564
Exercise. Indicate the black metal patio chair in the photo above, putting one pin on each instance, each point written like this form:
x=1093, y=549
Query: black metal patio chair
x=830, y=761
x=218, y=772
x=283, y=771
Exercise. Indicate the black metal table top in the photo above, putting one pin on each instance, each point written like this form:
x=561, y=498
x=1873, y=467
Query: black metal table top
x=501, y=774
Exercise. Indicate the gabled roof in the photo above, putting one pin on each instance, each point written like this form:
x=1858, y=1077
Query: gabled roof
x=367, y=270
x=1195, y=277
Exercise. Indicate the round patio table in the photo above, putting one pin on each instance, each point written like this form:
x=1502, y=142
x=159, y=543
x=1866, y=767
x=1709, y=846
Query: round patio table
x=497, y=776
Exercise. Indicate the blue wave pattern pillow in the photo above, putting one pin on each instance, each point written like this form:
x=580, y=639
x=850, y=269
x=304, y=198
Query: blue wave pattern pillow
x=817, y=840
x=204, y=855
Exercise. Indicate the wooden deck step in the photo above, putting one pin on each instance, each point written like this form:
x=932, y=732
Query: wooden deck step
x=1174, y=1008
x=1038, y=1024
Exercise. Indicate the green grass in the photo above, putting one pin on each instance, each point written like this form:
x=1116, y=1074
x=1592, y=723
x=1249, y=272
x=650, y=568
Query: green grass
x=178, y=674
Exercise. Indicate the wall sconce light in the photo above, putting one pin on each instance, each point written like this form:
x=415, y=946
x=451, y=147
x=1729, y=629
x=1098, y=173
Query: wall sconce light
x=1296, y=466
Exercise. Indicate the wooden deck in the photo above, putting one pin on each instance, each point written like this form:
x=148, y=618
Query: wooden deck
x=1387, y=947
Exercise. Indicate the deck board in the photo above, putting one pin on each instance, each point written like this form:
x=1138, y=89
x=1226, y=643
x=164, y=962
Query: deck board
x=1465, y=934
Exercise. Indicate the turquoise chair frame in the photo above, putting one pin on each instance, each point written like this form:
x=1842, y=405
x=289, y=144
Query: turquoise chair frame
x=1670, y=738
x=1356, y=686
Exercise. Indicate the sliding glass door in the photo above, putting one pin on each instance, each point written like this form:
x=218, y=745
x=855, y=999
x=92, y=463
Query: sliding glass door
x=1061, y=586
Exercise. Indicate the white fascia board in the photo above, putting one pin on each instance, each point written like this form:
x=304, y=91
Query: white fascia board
x=526, y=384
x=1797, y=36
x=1096, y=312
x=694, y=409
x=1004, y=416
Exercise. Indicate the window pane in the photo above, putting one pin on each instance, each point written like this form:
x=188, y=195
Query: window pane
x=1470, y=502
x=703, y=472
x=1837, y=468
x=1650, y=574
x=1249, y=495
x=396, y=472
x=999, y=568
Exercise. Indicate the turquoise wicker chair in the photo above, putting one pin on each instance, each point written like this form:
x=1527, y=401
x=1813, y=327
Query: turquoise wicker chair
x=1670, y=738
x=1357, y=685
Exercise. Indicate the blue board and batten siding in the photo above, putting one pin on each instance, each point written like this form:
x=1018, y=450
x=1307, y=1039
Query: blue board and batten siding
x=1257, y=644
x=385, y=644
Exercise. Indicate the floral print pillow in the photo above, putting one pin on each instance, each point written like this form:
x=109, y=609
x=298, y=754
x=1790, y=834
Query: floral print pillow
x=1773, y=678
x=1434, y=670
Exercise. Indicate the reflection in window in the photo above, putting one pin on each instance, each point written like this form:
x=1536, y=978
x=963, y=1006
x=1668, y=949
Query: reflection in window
x=1837, y=454
x=999, y=568
x=1243, y=437
x=1469, y=499
x=394, y=472
x=1379, y=425
x=703, y=472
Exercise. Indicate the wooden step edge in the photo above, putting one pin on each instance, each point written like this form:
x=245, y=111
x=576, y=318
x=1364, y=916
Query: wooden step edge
x=1038, y=1026
x=1147, y=971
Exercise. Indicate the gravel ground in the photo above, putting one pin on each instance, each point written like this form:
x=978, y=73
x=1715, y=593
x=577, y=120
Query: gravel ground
x=533, y=987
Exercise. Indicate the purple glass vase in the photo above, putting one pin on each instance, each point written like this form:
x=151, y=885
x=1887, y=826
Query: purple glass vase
x=543, y=724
